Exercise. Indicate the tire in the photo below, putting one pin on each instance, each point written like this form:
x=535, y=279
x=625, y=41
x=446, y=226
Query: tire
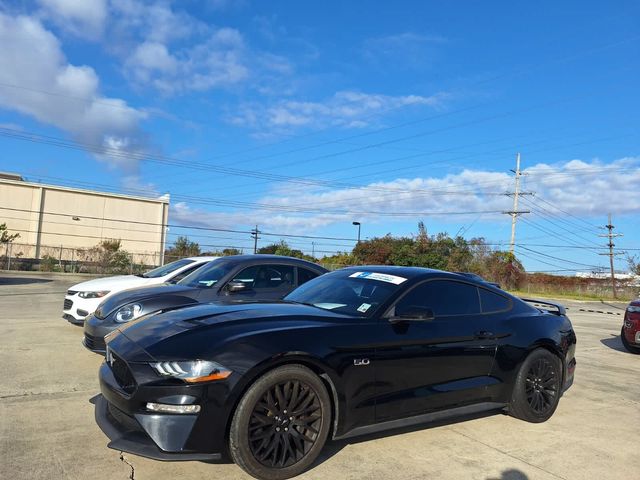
x=630, y=348
x=270, y=444
x=537, y=387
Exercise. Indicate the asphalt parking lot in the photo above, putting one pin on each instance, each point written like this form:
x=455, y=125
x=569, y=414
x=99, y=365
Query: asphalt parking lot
x=47, y=428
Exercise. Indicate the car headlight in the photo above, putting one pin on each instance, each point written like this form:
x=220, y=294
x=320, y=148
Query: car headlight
x=98, y=294
x=128, y=313
x=633, y=309
x=192, y=371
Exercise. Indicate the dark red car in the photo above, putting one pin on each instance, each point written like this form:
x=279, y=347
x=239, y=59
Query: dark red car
x=631, y=327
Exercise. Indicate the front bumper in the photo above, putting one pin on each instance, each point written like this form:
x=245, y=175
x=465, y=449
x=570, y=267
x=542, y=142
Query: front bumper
x=94, y=332
x=127, y=435
x=631, y=328
x=75, y=309
x=121, y=411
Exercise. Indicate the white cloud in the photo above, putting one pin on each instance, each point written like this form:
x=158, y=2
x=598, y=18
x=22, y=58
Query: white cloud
x=216, y=62
x=58, y=93
x=84, y=18
x=346, y=109
x=575, y=186
x=151, y=21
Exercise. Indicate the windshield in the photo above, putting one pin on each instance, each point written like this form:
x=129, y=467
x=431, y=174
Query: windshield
x=167, y=269
x=207, y=276
x=354, y=293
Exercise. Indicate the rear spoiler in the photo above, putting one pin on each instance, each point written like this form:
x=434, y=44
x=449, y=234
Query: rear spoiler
x=550, y=307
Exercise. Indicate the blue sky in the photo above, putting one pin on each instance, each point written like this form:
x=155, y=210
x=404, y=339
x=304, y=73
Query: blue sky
x=303, y=117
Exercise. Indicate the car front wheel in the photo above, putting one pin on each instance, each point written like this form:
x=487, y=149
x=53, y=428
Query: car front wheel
x=627, y=345
x=281, y=423
x=537, y=388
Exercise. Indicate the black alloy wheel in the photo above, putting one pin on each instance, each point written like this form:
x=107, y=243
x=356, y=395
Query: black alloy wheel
x=285, y=424
x=281, y=423
x=541, y=386
x=537, y=388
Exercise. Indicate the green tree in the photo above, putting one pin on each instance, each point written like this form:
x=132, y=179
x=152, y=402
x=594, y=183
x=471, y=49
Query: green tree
x=182, y=247
x=5, y=236
x=282, y=248
x=634, y=264
x=109, y=257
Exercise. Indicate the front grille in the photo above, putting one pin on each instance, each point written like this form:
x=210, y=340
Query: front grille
x=94, y=343
x=122, y=418
x=122, y=374
x=68, y=304
x=71, y=293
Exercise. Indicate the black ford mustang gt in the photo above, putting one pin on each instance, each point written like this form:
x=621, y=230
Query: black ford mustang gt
x=351, y=352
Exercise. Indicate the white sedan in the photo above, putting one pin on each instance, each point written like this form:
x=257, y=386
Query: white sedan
x=82, y=299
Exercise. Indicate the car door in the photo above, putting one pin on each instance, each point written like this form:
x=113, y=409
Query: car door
x=428, y=364
x=265, y=282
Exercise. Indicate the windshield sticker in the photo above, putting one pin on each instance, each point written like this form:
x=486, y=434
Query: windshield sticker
x=329, y=306
x=364, y=307
x=383, y=277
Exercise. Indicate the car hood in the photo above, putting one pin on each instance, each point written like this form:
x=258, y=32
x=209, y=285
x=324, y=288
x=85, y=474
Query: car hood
x=117, y=283
x=170, y=293
x=203, y=324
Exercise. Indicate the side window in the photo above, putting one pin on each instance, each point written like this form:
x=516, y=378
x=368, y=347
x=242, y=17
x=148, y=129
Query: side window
x=305, y=275
x=443, y=297
x=267, y=277
x=184, y=273
x=248, y=275
x=492, y=302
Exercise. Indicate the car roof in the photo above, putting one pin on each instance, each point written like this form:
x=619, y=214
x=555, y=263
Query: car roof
x=195, y=259
x=407, y=272
x=260, y=257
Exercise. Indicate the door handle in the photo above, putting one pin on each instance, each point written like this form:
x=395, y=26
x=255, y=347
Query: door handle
x=482, y=334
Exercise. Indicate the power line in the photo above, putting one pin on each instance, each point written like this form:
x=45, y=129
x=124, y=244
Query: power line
x=554, y=234
x=557, y=258
x=569, y=230
x=570, y=224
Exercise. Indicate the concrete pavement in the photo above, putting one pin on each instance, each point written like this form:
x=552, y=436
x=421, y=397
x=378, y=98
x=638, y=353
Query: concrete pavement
x=47, y=430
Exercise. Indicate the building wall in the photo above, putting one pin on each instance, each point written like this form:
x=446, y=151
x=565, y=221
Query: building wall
x=48, y=216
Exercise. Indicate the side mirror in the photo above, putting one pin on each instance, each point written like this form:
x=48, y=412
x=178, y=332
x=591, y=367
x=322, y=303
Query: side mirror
x=413, y=314
x=235, y=287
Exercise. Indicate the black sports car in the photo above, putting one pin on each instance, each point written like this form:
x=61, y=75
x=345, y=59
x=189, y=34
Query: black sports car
x=351, y=352
x=226, y=279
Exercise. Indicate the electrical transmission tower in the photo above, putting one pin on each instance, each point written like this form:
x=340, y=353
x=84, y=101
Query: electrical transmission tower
x=610, y=235
x=255, y=235
x=515, y=212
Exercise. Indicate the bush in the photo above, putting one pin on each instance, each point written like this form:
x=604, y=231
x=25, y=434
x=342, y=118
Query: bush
x=49, y=264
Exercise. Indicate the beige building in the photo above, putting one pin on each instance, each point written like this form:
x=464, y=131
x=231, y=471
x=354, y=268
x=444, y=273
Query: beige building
x=67, y=222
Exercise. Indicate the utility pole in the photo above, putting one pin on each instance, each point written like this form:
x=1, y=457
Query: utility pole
x=313, y=249
x=515, y=212
x=254, y=234
x=611, y=253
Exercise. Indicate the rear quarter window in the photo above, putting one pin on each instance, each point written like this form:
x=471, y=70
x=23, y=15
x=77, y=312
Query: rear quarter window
x=305, y=275
x=491, y=302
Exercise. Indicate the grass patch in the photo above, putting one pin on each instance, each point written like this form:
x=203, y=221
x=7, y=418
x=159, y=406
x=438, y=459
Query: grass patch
x=622, y=297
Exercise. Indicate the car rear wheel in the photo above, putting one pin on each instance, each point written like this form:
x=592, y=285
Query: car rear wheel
x=627, y=345
x=281, y=423
x=537, y=388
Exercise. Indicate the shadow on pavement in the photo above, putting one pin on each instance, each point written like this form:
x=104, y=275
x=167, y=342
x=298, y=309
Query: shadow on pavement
x=613, y=342
x=22, y=280
x=333, y=447
x=511, y=474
